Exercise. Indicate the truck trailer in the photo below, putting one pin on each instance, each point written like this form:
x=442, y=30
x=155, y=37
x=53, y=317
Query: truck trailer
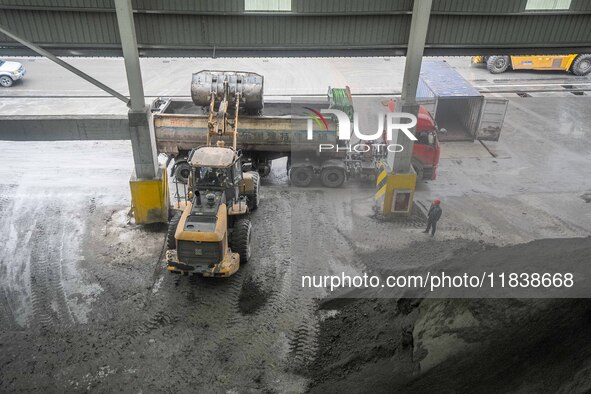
x=456, y=106
x=271, y=130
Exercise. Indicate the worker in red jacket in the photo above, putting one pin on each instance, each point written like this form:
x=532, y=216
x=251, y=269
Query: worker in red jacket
x=433, y=216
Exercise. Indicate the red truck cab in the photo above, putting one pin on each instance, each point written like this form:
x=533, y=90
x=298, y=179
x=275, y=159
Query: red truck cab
x=426, y=150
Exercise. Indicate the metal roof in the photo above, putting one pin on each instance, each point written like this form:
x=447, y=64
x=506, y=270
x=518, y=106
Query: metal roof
x=311, y=28
x=439, y=79
x=210, y=156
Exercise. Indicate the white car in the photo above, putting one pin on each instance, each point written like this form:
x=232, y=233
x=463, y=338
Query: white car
x=10, y=72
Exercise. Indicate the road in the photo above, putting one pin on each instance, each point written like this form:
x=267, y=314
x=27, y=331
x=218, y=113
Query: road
x=48, y=89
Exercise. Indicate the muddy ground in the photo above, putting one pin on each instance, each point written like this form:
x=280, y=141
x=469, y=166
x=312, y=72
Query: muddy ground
x=259, y=331
x=86, y=302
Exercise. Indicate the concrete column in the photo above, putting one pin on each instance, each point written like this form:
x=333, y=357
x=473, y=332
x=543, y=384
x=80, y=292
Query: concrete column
x=143, y=144
x=143, y=141
x=400, y=163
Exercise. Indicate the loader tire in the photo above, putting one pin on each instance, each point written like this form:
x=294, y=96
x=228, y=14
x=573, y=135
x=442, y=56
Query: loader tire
x=172, y=225
x=240, y=239
x=301, y=176
x=498, y=64
x=582, y=65
x=254, y=198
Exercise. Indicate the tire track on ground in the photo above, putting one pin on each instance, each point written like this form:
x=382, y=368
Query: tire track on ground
x=253, y=340
x=50, y=307
x=231, y=349
x=7, y=317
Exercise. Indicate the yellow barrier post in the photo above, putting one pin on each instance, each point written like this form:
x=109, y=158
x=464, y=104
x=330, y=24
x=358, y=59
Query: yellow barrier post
x=395, y=192
x=150, y=198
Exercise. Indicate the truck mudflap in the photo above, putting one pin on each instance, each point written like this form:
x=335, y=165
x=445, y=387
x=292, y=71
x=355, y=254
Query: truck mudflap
x=429, y=173
x=227, y=267
x=424, y=172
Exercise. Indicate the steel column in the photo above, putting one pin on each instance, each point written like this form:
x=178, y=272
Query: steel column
x=401, y=162
x=130, y=54
x=143, y=141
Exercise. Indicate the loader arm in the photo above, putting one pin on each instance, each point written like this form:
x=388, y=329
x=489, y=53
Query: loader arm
x=218, y=122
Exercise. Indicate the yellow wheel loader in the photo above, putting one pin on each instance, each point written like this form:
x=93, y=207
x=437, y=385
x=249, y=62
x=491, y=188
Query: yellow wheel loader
x=577, y=64
x=210, y=233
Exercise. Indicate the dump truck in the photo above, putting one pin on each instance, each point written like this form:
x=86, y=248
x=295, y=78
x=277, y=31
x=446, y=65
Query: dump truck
x=578, y=64
x=210, y=232
x=271, y=130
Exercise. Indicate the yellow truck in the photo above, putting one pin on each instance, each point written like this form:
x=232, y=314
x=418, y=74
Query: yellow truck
x=577, y=64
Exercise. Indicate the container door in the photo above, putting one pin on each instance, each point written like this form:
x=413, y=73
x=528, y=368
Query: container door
x=429, y=104
x=492, y=117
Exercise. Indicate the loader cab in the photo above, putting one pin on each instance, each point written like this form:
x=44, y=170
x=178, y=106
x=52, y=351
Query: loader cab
x=211, y=177
x=216, y=169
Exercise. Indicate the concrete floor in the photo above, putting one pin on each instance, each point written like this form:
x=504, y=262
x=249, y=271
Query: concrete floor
x=86, y=302
x=534, y=185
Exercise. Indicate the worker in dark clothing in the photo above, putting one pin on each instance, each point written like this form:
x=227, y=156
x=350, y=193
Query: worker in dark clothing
x=433, y=216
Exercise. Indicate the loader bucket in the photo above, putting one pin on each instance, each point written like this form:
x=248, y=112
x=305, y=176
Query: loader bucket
x=249, y=85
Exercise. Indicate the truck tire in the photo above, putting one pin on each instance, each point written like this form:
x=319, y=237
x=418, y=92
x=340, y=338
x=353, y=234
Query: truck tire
x=332, y=177
x=240, y=239
x=264, y=170
x=254, y=199
x=498, y=64
x=582, y=65
x=182, y=171
x=301, y=176
x=172, y=226
x=6, y=81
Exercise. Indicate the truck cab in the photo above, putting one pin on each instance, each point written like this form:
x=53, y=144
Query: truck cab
x=426, y=150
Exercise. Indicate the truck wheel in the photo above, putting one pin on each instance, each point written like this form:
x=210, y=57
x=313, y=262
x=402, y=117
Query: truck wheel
x=182, y=172
x=301, y=176
x=498, y=64
x=332, y=177
x=582, y=65
x=6, y=81
x=172, y=226
x=254, y=199
x=264, y=170
x=240, y=239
